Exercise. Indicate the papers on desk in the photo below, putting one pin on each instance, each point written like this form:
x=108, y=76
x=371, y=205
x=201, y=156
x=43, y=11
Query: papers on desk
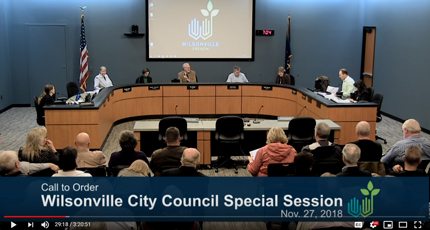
x=253, y=153
x=332, y=89
x=334, y=98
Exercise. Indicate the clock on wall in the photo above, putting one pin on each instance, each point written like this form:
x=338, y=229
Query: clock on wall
x=265, y=32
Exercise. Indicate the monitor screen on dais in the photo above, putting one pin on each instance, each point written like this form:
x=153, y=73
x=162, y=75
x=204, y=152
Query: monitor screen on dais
x=194, y=29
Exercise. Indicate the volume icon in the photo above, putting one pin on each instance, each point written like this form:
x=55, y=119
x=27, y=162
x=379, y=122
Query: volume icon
x=45, y=224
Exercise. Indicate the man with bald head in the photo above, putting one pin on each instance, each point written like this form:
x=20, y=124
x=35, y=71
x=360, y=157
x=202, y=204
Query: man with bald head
x=350, y=155
x=87, y=158
x=189, y=162
x=411, y=131
x=370, y=150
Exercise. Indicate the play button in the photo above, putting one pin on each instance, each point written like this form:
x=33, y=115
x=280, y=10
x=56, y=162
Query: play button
x=12, y=224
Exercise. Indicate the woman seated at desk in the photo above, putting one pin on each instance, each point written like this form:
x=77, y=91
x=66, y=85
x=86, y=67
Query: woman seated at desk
x=145, y=78
x=46, y=98
x=276, y=151
x=283, y=78
x=361, y=94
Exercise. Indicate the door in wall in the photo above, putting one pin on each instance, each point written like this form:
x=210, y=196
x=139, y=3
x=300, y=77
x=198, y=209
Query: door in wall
x=368, y=55
x=47, y=62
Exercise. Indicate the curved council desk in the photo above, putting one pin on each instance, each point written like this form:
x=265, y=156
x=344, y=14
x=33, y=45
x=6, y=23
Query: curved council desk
x=197, y=100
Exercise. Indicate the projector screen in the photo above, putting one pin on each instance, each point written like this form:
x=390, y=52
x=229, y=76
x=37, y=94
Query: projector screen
x=200, y=29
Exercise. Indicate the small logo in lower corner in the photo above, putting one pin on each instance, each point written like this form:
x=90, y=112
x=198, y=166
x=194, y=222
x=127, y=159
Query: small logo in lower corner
x=364, y=209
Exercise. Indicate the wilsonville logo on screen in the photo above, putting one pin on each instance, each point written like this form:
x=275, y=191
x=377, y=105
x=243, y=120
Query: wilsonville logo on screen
x=205, y=30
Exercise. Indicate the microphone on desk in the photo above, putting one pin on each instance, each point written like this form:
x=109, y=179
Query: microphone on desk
x=301, y=111
x=176, y=111
x=255, y=120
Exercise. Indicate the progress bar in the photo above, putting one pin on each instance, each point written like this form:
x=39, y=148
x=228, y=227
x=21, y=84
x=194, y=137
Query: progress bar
x=36, y=217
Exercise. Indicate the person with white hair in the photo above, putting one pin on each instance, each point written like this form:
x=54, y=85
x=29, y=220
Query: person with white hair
x=411, y=131
x=10, y=166
x=351, y=154
x=187, y=75
x=189, y=162
x=370, y=150
x=102, y=80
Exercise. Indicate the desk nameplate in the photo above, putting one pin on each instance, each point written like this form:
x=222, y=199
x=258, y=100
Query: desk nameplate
x=154, y=87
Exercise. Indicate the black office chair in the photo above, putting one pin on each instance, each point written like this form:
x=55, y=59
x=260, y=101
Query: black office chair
x=228, y=133
x=371, y=92
x=301, y=132
x=293, y=79
x=115, y=170
x=280, y=170
x=378, y=98
x=72, y=89
x=95, y=172
x=174, y=121
x=327, y=159
x=40, y=119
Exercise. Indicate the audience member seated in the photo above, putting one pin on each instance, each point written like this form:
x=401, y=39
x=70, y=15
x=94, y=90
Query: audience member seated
x=68, y=164
x=411, y=131
x=189, y=164
x=170, y=156
x=38, y=148
x=370, y=150
x=322, y=133
x=412, y=159
x=276, y=151
x=46, y=98
x=351, y=154
x=87, y=158
x=361, y=93
x=10, y=166
x=138, y=168
x=127, y=155
x=303, y=164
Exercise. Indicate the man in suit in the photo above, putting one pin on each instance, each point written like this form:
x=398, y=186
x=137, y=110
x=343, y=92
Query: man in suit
x=351, y=154
x=370, y=150
x=412, y=160
x=189, y=163
x=411, y=132
x=87, y=158
x=187, y=75
x=170, y=156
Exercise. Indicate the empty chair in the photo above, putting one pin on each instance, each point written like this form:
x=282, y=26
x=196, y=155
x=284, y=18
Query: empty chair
x=174, y=121
x=72, y=89
x=378, y=98
x=40, y=119
x=371, y=92
x=301, y=132
x=228, y=134
x=280, y=170
x=293, y=80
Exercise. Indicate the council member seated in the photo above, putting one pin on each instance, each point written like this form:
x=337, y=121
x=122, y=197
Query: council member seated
x=187, y=75
x=102, y=80
x=361, y=93
x=276, y=151
x=237, y=76
x=283, y=78
x=145, y=78
x=347, y=84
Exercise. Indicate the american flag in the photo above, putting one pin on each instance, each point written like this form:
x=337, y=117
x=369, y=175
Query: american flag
x=84, y=58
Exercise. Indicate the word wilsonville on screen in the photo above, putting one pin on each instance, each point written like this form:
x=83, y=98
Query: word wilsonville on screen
x=206, y=44
x=212, y=201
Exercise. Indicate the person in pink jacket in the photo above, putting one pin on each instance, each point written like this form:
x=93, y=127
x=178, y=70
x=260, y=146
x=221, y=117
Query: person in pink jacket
x=276, y=151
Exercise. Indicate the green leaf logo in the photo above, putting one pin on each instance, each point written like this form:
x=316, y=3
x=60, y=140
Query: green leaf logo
x=370, y=186
x=375, y=192
x=364, y=191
